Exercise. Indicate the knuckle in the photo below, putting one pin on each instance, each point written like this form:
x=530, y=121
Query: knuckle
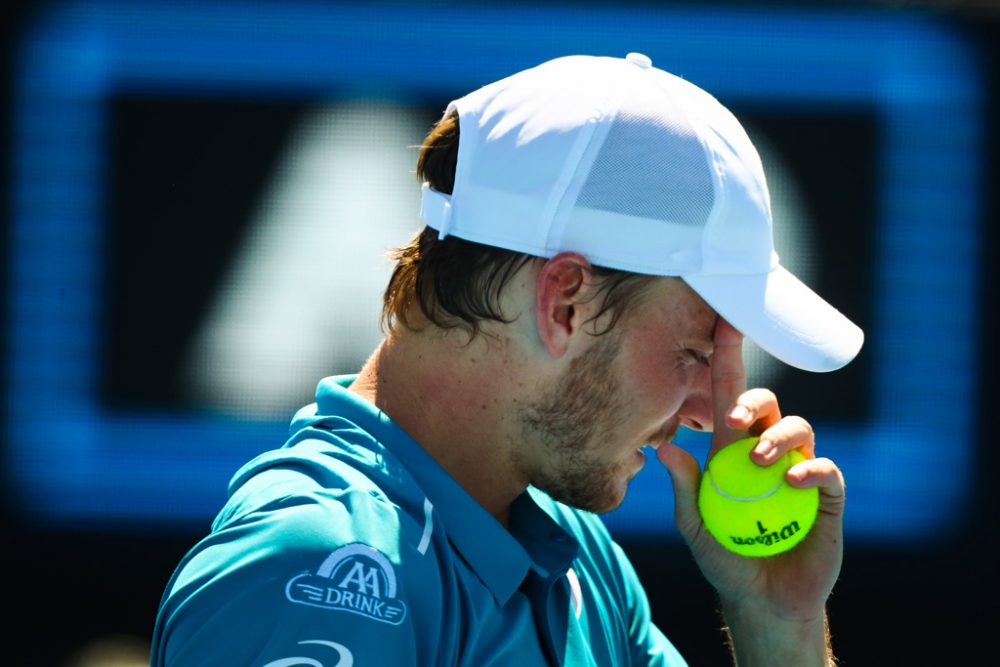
x=793, y=429
x=762, y=396
x=803, y=426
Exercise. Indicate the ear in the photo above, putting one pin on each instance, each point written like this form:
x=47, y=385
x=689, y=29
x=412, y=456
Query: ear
x=561, y=292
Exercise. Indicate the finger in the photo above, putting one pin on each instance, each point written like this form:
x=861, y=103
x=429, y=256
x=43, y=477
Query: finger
x=729, y=381
x=685, y=475
x=788, y=434
x=821, y=473
x=754, y=410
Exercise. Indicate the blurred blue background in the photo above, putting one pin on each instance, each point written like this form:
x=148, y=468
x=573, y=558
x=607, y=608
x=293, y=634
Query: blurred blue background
x=199, y=198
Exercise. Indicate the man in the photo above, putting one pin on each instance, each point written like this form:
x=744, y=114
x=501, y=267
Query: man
x=599, y=234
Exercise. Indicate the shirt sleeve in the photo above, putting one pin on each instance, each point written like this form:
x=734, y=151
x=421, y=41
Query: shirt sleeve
x=322, y=579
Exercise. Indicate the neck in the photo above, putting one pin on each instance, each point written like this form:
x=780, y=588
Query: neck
x=449, y=395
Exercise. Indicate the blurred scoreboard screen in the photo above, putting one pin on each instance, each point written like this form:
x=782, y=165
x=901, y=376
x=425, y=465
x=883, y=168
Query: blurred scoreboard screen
x=203, y=197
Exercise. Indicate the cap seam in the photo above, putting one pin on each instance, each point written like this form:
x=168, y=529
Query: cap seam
x=601, y=124
x=563, y=183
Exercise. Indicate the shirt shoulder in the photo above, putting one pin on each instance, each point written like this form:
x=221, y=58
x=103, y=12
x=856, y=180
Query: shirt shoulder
x=322, y=539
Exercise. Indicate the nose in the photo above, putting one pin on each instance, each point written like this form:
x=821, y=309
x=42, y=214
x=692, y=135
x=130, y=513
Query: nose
x=697, y=410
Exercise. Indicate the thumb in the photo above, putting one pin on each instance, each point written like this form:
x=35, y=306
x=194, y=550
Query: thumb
x=685, y=475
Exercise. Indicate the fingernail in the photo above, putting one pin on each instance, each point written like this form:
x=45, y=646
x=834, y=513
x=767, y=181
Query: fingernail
x=739, y=413
x=764, y=448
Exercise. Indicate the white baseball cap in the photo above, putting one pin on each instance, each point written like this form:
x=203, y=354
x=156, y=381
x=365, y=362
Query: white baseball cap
x=639, y=170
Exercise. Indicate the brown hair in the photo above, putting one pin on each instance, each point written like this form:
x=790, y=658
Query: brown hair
x=459, y=283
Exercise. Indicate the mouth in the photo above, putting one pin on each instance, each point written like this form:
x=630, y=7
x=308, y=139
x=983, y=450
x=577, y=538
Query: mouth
x=639, y=461
x=661, y=437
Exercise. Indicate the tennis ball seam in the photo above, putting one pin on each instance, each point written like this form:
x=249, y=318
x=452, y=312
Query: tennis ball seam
x=744, y=499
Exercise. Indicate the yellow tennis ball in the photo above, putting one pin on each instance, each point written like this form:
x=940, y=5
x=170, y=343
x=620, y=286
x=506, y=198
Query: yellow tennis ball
x=750, y=509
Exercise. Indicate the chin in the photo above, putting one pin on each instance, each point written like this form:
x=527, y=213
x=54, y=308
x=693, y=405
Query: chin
x=589, y=488
x=613, y=500
x=607, y=499
x=609, y=506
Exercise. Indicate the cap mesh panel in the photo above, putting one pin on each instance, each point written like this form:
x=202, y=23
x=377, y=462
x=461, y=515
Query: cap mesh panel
x=650, y=167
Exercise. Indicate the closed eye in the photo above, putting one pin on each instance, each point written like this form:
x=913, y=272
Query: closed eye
x=699, y=357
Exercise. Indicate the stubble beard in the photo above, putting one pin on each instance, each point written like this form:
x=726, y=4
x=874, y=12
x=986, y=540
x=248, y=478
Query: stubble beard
x=572, y=422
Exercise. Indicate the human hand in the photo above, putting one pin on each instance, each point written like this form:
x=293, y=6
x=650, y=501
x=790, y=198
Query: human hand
x=791, y=587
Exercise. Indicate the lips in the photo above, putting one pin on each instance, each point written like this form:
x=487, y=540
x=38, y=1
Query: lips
x=663, y=436
x=640, y=459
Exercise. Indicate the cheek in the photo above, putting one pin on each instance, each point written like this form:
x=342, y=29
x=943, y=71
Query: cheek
x=660, y=380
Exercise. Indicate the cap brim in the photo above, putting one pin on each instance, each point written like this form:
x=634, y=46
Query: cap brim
x=784, y=317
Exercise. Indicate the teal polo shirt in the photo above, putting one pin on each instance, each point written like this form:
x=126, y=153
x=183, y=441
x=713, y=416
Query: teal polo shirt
x=350, y=545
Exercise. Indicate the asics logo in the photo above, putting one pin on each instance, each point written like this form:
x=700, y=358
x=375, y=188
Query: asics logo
x=344, y=657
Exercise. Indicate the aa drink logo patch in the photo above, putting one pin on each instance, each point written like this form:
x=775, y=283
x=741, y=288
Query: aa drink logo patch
x=356, y=578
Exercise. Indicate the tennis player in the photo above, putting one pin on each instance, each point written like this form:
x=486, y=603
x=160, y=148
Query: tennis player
x=597, y=243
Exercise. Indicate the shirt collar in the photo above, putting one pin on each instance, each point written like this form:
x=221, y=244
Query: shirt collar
x=500, y=559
